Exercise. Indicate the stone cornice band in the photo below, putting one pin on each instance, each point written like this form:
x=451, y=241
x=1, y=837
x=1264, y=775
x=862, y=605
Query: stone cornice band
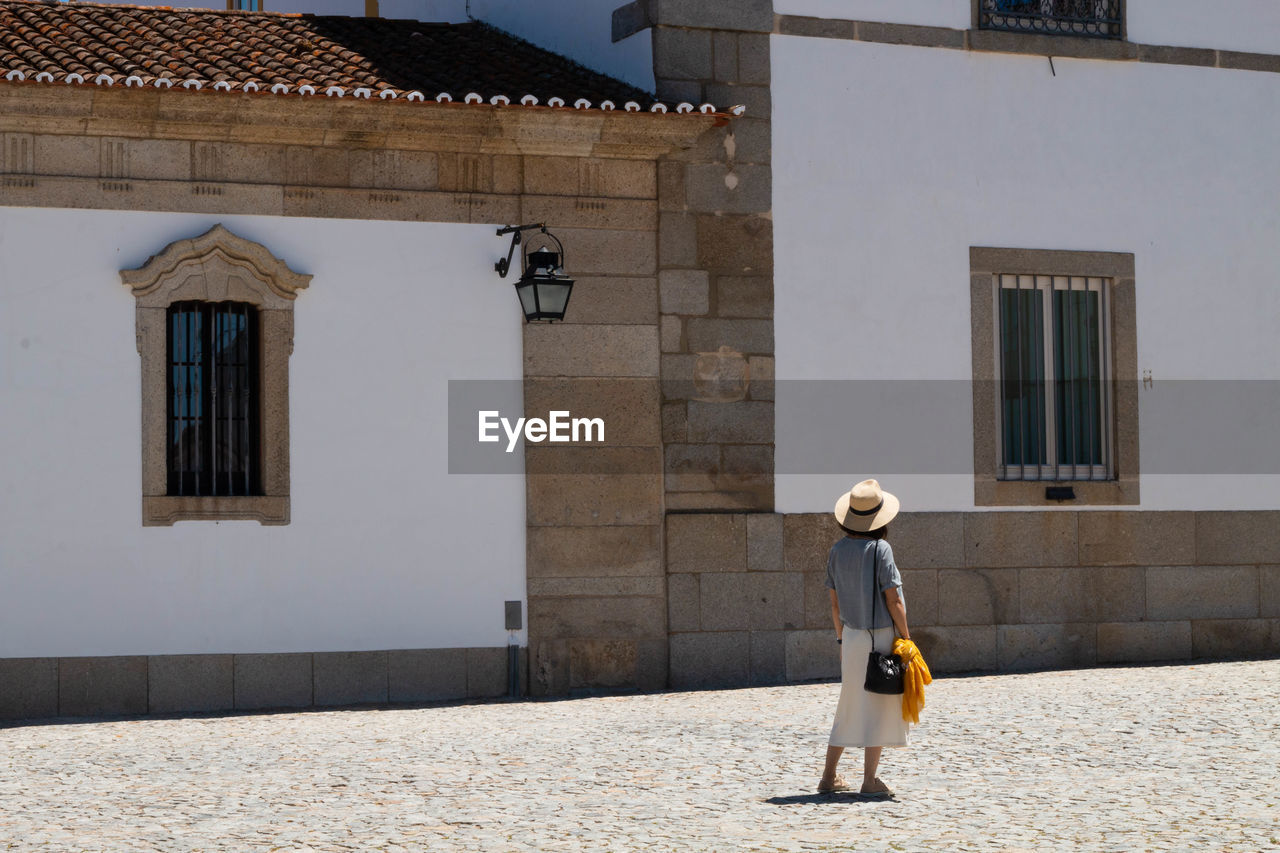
x=996, y=41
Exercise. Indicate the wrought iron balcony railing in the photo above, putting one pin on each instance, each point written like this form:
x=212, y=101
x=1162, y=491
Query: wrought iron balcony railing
x=1091, y=18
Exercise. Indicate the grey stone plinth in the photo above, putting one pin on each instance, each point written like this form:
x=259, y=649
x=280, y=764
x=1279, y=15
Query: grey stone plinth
x=768, y=657
x=1143, y=642
x=1092, y=594
x=273, y=681
x=190, y=683
x=1202, y=592
x=1133, y=538
x=736, y=601
x=977, y=596
x=1238, y=537
x=350, y=678
x=426, y=675
x=1017, y=539
x=920, y=591
x=710, y=660
x=1023, y=647
x=487, y=672
x=102, y=686
x=927, y=540
x=812, y=654
x=28, y=688
x=1269, y=591
x=958, y=648
x=1227, y=638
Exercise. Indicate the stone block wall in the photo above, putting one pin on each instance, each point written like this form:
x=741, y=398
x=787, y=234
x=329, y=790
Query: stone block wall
x=597, y=618
x=715, y=257
x=985, y=591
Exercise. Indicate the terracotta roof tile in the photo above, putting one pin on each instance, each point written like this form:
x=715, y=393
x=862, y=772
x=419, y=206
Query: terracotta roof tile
x=256, y=51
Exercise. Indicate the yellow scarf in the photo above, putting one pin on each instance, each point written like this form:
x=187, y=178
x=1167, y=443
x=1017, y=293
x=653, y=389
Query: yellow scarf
x=917, y=676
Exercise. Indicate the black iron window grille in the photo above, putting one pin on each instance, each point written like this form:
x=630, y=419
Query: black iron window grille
x=213, y=399
x=1054, y=366
x=1091, y=18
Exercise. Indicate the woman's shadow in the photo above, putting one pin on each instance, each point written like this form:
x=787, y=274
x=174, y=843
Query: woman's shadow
x=841, y=797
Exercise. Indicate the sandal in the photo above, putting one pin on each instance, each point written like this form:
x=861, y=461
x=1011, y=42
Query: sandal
x=837, y=784
x=877, y=789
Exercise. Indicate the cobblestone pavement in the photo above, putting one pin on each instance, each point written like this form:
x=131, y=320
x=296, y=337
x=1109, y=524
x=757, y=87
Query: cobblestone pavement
x=1158, y=758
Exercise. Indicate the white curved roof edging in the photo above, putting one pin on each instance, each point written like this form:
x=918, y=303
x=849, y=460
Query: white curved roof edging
x=738, y=110
x=280, y=89
x=444, y=98
x=631, y=107
x=555, y=102
x=363, y=92
x=529, y=101
x=415, y=95
x=251, y=86
x=15, y=74
x=104, y=80
x=684, y=107
x=222, y=86
x=500, y=100
x=193, y=83
x=607, y=106
x=163, y=83
x=73, y=77
x=707, y=109
x=582, y=104
x=44, y=77
x=387, y=94
x=133, y=81
x=658, y=108
x=473, y=98
x=335, y=92
x=306, y=89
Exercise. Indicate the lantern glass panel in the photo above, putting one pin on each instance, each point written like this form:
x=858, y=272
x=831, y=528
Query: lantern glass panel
x=553, y=296
x=524, y=289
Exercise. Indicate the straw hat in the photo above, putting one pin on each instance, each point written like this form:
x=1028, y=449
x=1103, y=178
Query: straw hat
x=866, y=507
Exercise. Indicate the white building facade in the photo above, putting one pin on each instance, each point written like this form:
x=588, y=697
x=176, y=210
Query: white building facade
x=1025, y=277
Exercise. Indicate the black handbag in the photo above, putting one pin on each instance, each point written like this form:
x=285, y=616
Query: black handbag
x=884, y=672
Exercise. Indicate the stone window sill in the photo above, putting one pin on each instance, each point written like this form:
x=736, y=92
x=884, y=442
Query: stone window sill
x=164, y=510
x=988, y=492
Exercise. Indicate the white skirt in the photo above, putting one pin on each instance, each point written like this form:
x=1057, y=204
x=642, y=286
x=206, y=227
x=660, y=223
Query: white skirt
x=862, y=718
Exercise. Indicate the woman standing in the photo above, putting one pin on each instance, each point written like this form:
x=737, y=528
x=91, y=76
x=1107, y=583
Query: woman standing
x=866, y=606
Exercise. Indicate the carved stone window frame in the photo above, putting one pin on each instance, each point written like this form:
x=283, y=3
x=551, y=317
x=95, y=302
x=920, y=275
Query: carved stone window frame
x=1118, y=267
x=217, y=266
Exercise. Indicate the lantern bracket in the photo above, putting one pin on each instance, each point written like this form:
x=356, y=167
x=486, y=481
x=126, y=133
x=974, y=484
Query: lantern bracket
x=516, y=232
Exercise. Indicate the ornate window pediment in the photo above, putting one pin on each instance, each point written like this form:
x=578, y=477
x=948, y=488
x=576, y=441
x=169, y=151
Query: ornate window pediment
x=216, y=267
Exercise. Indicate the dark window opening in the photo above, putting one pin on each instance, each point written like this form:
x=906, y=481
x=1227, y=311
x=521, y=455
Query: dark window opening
x=1091, y=18
x=213, y=386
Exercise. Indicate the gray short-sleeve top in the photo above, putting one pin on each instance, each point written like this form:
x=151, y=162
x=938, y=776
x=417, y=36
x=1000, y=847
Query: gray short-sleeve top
x=849, y=567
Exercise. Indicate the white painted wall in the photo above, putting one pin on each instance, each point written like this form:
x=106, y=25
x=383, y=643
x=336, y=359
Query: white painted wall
x=579, y=29
x=385, y=548
x=1245, y=25
x=956, y=14
x=890, y=162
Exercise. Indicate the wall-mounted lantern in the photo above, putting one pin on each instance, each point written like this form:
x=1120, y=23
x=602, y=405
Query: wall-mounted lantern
x=543, y=287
